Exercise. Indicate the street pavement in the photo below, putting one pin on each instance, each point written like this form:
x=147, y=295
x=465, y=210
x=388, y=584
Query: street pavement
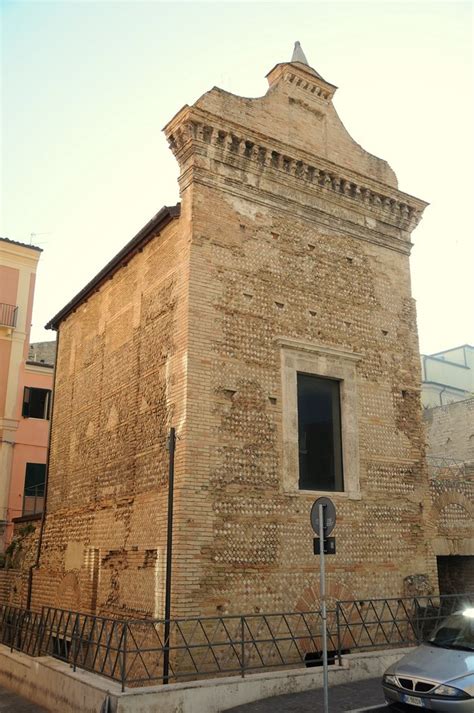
x=358, y=696
x=11, y=703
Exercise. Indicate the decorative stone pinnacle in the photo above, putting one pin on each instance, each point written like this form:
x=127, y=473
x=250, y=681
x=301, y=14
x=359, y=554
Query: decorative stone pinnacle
x=299, y=55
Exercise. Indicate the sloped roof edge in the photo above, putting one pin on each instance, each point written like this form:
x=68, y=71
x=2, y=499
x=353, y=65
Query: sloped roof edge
x=22, y=245
x=158, y=222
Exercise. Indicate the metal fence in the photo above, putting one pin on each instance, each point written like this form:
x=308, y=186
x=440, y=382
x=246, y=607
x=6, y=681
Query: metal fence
x=376, y=623
x=20, y=629
x=86, y=641
x=445, y=468
x=135, y=652
x=224, y=645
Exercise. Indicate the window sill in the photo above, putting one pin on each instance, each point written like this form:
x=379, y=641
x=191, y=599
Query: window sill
x=350, y=495
x=35, y=418
x=28, y=518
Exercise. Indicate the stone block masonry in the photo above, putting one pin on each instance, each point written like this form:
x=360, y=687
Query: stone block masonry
x=291, y=252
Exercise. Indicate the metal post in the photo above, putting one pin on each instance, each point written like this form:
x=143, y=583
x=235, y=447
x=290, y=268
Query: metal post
x=74, y=643
x=339, y=641
x=242, y=645
x=169, y=551
x=124, y=657
x=13, y=639
x=322, y=587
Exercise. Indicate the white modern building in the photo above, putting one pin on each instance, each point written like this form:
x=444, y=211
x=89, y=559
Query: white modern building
x=447, y=376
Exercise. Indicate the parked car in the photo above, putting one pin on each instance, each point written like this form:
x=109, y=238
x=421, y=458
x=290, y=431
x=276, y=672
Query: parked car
x=439, y=674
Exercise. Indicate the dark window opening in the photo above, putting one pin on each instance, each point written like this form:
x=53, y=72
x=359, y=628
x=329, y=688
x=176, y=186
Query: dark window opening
x=455, y=574
x=36, y=402
x=33, y=496
x=60, y=647
x=319, y=434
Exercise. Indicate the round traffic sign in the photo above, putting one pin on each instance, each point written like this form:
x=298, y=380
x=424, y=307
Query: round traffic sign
x=329, y=515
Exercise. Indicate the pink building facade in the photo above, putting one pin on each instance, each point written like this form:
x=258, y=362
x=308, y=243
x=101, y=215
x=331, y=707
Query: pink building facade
x=25, y=392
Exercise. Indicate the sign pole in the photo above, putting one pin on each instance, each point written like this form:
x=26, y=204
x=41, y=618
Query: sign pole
x=323, y=521
x=322, y=587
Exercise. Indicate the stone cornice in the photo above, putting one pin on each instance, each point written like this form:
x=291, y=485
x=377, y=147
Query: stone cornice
x=304, y=78
x=39, y=368
x=194, y=132
x=17, y=257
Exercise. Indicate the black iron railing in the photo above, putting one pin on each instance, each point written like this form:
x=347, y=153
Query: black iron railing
x=8, y=315
x=374, y=623
x=136, y=652
x=20, y=629
x=86, y=641
x=224, y=645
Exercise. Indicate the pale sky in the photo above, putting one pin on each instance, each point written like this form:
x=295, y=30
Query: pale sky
x=88, y=86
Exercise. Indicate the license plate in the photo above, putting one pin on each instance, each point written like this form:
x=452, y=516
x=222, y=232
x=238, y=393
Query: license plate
x=413, y=701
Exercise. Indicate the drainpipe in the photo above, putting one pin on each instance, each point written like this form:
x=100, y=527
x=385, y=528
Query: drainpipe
x=43, y=515
x=171, y=444
x=441, y=394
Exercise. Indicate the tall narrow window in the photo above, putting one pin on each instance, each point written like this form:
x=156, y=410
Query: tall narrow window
x=36, y=402
x=33, y=497
x=319, y=434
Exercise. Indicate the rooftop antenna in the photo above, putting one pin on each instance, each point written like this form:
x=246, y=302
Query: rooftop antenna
x=33, y=236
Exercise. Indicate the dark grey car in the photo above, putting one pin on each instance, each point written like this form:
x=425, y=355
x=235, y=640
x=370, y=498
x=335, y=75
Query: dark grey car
x=439, y=674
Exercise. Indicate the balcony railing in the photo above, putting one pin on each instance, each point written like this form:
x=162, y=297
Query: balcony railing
x=8, y=315
x=33, y=500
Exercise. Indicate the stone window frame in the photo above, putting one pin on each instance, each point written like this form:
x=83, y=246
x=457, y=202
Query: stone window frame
x=332, y=363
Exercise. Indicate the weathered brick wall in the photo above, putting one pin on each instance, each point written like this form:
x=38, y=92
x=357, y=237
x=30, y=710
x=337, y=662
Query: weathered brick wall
x=118, y=389
x=13, y=587
x=21, y=556
x=451, y=515
x=284, y=249
x=259, y=550
x=450, y=445
x=450, y=430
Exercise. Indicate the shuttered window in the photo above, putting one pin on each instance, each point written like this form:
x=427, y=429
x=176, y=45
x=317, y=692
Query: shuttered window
x=36, y=402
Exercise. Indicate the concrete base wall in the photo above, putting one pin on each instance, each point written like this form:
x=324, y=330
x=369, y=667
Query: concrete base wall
x=54, y=685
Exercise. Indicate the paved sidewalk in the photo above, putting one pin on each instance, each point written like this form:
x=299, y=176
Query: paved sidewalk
x=11, y=703
x=344, y=697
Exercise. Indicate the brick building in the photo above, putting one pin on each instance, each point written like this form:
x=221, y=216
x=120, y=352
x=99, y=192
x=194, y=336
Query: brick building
x=269, y=319
x=450, y=451
x=447, y=376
